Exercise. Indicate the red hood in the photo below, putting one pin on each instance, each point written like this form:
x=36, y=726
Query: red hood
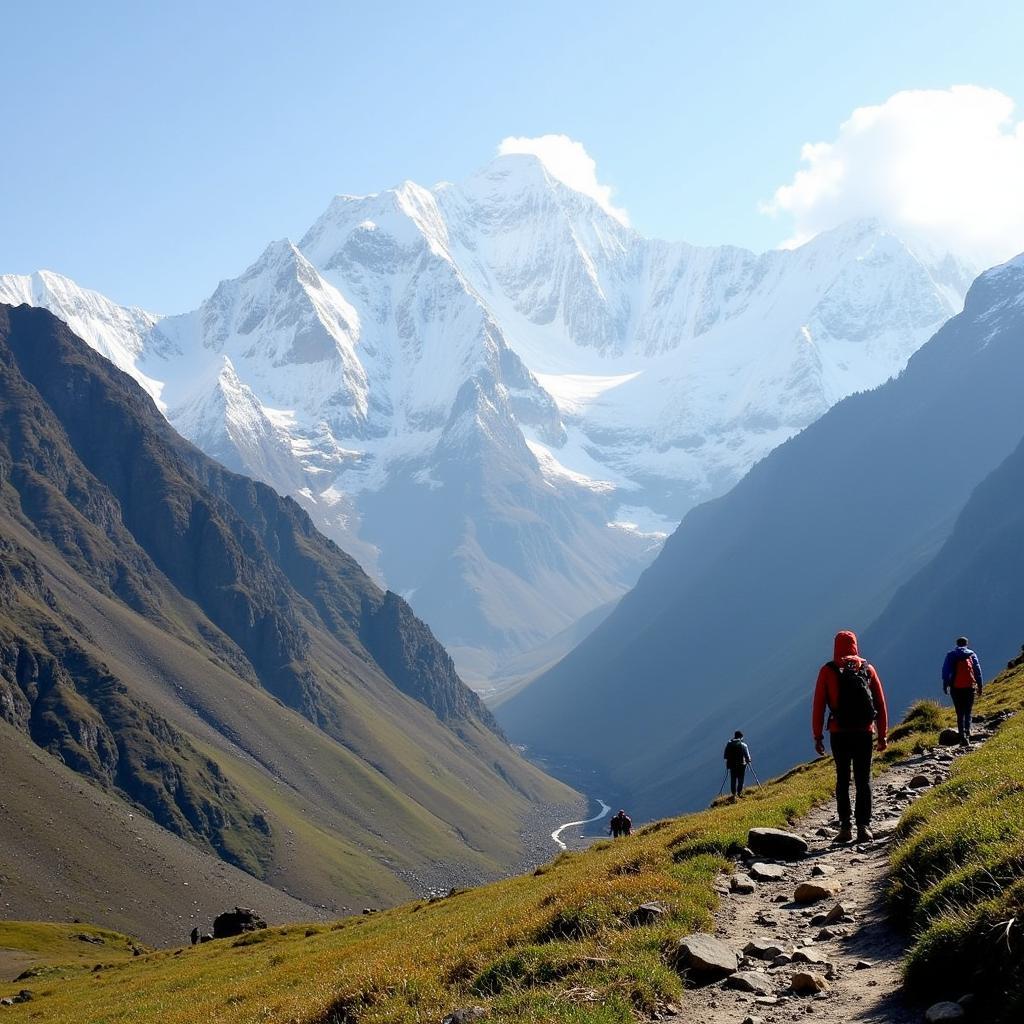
x=846, y=645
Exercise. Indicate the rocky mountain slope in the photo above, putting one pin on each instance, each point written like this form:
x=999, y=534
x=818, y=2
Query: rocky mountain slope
x=727, y=628
x=184, y=638
x=549, y=390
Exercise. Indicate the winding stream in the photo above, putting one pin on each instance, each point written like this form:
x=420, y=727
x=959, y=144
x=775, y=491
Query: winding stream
x=605, y=808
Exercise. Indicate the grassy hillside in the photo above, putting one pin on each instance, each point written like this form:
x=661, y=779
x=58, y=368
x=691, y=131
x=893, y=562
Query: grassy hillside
x=958, y=870
x=185, y=640
x=555, y=945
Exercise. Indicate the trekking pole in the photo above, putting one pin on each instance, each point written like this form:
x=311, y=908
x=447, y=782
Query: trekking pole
x=721, y=789
x=756, y=779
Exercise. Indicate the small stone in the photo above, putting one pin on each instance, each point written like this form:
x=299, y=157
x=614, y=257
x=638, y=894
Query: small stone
x=767, y=872
x=775, y=843
x=767, y=1001
x=863, y=965
x=466, y=1015
x=807, y=982
x=812, y=892
x=810, y=956
x=828, y=934
x=948, y=738
x=819, y=920
x=742, y=884
x=762, y=949
x=838, y=912
x=704, y=958
x=753, y=1020
x=750, y=981
x=823, y=871
x=919, y=781
x=782, y=960
x=940, y=1013
x=647, y=913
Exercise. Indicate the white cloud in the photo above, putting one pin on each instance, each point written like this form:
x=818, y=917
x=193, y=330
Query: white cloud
x=945, y=164
x=568, y=161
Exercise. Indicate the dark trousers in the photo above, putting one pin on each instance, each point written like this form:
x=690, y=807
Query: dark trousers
x=736, y=779
x=852, y=754
x=963, y=701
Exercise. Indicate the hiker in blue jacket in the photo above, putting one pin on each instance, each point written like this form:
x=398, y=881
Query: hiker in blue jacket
x=962, y=679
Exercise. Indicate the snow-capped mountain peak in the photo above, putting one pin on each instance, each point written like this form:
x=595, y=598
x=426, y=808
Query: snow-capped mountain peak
x=495, y=392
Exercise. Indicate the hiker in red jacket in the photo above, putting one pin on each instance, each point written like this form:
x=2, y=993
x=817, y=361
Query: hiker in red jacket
x=858, y=719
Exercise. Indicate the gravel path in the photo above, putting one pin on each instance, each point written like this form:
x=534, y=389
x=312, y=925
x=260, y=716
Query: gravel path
x=860, y=956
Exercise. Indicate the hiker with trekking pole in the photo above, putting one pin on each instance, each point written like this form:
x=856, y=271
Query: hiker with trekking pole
x=849, y=688
x=737, y=758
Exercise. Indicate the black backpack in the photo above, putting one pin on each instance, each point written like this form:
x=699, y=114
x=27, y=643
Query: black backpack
x=855, y=707
x=737, y=755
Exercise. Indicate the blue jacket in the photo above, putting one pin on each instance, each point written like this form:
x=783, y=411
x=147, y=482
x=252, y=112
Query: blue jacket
x=949, y=665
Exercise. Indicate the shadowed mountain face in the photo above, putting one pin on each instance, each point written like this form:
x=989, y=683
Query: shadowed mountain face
x=728, y=626
x=971, y=586
x=185, y=638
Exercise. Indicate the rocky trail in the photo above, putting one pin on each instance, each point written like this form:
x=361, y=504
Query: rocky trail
x=810, y=938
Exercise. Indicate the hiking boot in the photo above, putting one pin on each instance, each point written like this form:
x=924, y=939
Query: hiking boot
x=864, y=834
x=845, y=833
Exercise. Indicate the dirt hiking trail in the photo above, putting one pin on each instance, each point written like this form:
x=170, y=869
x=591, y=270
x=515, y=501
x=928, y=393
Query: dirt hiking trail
x=858, y=954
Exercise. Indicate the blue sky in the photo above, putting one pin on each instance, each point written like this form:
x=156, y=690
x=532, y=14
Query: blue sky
x=153, y=149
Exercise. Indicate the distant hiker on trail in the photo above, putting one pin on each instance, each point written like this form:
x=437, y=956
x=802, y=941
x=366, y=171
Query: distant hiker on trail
x=851, y=690
x=961, y=678
x=194, y=936
x=620, y=825
x=737, y=757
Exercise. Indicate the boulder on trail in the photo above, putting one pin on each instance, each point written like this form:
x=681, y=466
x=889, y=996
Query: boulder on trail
x=919, y=781
x=949, y=738
x=703, y=958
x=647, y=913
x=742, y=884
x=762, y=949
x=767, y=872
x=808, y=983
x=237, y=922
x=773, y=842
x=812, y=892
x=941, y=1013
x=823, y=870
x=750, y=981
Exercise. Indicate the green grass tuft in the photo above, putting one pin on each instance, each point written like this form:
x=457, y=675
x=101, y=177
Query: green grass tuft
x=958, y=870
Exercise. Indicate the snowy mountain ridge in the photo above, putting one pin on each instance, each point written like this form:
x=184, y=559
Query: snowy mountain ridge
x=499, y=397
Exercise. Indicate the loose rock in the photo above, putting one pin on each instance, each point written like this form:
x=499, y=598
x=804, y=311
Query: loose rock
x=704, y=958
x=823, y=870
x=812, y=892
x=919, y=782
x=773, y=842
x=838, y=912
x=750, y=981
x=762, y=949
x=948, y=738
x=807, y=982
x=742, y=884
x=767, y=872
x=466, y=1015
x=941, y=1013
x=647, y=913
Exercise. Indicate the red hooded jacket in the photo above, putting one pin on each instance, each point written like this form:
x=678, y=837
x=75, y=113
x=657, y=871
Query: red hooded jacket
x=826, y=691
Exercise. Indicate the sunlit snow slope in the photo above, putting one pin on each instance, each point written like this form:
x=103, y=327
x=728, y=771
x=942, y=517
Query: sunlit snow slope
x=500, y=398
